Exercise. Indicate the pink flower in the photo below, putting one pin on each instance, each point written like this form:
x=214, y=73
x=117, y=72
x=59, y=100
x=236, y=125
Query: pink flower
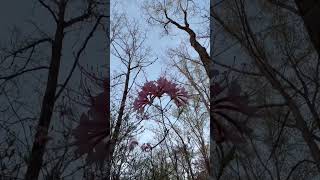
x=90, y=135
x=150, y=88
x=140, y=103
x=91, y=131
x=180, y=97
x=178, y=94
x=144, y=96
x=156, y=89
x=163, y=85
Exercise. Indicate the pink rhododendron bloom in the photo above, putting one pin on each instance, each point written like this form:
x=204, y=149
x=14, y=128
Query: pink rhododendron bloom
x=156, y=89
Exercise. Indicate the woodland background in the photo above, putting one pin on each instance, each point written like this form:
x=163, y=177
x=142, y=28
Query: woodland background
x=240, y=99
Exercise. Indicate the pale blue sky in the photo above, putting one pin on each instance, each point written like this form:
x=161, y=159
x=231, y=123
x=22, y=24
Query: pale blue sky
x=159, y=45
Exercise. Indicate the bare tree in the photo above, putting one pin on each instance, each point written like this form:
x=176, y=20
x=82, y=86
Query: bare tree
x=45, y=44
x=277, y=54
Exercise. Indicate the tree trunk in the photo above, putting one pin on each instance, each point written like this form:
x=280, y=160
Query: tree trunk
x=38, y=147
x=116, y=133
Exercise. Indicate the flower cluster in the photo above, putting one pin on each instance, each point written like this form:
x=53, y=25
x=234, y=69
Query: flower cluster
x=228, y=99
x=91, y=132
x=156, y=89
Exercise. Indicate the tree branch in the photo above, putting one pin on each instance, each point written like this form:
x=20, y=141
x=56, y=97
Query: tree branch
x=49, y=9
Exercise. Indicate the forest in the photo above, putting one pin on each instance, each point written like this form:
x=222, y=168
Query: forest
x=160, y=90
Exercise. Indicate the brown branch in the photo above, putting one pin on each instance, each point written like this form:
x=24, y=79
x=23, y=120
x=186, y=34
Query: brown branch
x=202, y=52
x=6, y=78
x=31, y=45
x=49, y=9
x=77, y=58
x=82, y=17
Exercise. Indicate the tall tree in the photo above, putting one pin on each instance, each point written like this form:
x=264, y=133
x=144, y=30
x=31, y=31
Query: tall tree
x=60, y=15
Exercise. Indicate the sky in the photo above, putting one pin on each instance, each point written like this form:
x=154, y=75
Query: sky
x=24, y=11
x=159, y=45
